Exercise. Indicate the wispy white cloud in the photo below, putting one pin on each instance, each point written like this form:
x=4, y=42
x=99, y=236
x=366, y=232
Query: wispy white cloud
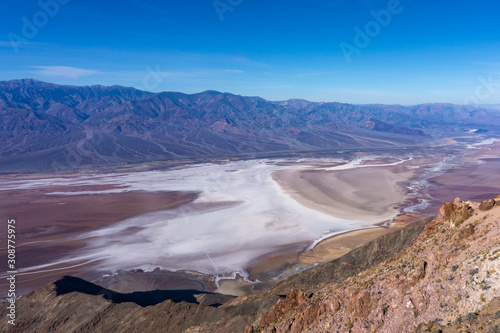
x=64, y=71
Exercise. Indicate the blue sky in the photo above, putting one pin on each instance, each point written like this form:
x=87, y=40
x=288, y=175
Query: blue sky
x=423, y=51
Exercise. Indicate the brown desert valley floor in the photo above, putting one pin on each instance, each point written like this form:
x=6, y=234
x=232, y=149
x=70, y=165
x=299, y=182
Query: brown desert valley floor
x=46, y=223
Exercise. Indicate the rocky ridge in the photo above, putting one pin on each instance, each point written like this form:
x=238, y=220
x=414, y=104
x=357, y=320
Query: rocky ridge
x=448, y=280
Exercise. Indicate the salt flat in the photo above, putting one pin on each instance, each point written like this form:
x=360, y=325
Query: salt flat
x=241, y=214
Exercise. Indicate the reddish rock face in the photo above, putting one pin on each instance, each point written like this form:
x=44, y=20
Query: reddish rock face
x=465, y=232
x=361, y=305
x=421, y=271
x=293, y=300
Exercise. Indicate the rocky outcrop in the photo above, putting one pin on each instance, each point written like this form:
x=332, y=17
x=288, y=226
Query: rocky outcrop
x=454, y=212
x=487, y=204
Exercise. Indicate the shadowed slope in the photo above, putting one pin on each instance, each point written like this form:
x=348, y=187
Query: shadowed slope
x=70, y=284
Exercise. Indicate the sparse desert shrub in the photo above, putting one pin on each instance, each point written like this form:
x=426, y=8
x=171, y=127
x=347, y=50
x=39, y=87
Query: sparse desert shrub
x=470, y=316
x=385, y=307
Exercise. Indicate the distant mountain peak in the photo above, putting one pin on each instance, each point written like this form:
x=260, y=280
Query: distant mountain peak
x=211, y=92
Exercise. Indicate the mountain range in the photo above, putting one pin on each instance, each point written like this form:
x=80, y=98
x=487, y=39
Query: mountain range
x=45, y=126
